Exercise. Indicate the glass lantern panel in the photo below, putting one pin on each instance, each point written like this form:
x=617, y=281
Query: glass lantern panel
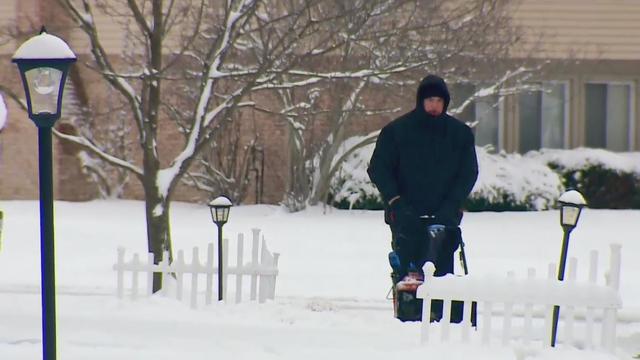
x=570, y=215
x=44, y=85
x=220, y=214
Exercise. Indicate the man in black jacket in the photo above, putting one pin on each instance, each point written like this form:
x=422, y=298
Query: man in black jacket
x=425, y=166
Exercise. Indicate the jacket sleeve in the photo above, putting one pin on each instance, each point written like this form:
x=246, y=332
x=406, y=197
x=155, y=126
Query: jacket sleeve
x=382, y=165
x=466, y=177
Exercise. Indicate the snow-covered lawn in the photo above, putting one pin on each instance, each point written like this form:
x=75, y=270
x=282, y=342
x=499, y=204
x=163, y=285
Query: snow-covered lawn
x=330, y=297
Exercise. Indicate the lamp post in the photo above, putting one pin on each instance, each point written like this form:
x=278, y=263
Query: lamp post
x=220, y=207
x=571, y=204
x=44, y=62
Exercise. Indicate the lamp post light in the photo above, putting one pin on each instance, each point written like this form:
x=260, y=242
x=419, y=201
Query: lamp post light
x=44, y=62
x=571, y=204
x=220, y=207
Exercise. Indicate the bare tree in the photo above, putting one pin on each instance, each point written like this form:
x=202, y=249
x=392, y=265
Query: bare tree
x=387, y=49
x=230, y=50
x=225, y=166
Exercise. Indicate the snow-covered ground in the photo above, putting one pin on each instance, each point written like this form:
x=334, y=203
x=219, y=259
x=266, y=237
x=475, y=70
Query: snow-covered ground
x=330, y=298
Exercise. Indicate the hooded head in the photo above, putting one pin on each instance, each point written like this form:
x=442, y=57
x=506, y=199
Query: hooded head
x=432, y=86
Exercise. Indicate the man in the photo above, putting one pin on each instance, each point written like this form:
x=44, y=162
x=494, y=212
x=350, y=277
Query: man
x=424, y=165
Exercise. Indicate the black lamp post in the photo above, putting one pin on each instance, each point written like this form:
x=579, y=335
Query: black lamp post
x=571, y=204
x=44, y=62
x=220, y=207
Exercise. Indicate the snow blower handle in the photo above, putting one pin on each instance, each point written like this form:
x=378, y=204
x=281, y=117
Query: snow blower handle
x=463, y=258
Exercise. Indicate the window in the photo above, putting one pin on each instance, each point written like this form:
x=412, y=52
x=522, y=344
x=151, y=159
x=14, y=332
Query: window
x=486, y=111
x=488, y=130
x=543, y=116
x=608, y=114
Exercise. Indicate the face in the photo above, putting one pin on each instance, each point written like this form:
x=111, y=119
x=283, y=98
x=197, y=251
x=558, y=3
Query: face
x=434, y=105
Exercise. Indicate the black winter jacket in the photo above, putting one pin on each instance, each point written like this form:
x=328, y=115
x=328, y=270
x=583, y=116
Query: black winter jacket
x=429, y=161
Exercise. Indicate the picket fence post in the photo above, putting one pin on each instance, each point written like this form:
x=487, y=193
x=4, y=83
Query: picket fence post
x=209, y=280
x=178, y=266
x=593, y=273
x=120, y=275
x=239, y=264
x=134, y=277
x=429, y=270
x=254, y=263
x=610, y=315
x=195, y=269
x=150, y=263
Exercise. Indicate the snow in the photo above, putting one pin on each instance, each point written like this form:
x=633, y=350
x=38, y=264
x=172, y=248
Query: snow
x=572, y=197
x=220, y=201
x=582, y=158
x=3, y=113
x=518, y=176
x=330, y=297
x=165, y=177
x=44, y=46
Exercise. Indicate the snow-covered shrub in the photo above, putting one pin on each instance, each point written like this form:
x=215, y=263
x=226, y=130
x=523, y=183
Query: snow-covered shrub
x=506, y=182
x=513, y=182
x=351, y=187
x=606, y=179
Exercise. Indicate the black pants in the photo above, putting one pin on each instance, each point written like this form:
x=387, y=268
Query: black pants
x=412, y=244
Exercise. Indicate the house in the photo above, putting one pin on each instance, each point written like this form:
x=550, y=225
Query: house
x=586, y=94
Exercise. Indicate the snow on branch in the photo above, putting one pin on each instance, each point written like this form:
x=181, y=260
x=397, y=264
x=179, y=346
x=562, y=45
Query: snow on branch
x=85, y=20
x=496, y=88
x=86, y=144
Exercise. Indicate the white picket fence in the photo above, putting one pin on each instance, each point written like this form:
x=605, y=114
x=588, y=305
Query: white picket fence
x=262, y=271
x=530, y=297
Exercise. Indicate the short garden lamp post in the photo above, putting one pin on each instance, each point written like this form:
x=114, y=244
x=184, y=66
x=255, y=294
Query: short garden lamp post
x=220, y=207
x=44, y=62
x=571, y=204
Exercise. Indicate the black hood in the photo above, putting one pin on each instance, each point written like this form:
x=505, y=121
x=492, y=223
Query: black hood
x=432, y=85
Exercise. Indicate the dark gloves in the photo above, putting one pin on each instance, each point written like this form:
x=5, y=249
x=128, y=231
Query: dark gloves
x=447, y=215
x=401, y=215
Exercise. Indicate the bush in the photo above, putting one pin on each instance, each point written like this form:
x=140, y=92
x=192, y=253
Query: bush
x=604, y=188
x=501, y=202
x=513, y=182
x=607, y=180
x=351, y=188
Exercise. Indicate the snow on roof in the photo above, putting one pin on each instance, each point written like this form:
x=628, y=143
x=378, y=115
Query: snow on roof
x=220, y=201
x=572, y=197
x=44, y=46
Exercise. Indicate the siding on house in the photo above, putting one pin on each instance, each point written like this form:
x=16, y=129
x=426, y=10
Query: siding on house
x=587, y=29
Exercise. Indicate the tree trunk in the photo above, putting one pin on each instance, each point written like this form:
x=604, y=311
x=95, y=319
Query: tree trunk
x=158, y=232
x=298, y=186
